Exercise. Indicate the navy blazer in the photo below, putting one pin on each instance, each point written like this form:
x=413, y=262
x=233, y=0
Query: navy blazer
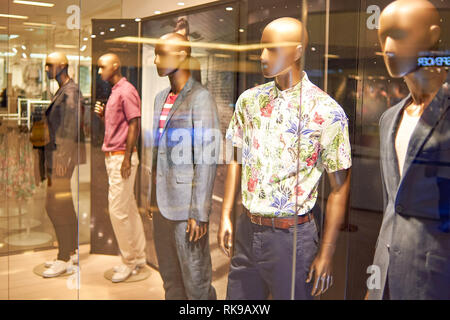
x=413, y=247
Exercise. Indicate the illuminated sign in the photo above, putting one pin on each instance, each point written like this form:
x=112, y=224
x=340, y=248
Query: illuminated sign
x=433, y=61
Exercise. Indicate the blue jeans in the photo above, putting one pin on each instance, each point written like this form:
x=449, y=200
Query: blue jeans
x=262, y=261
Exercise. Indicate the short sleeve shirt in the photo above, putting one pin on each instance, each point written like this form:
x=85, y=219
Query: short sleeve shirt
x=285, y=148
x=123, y=105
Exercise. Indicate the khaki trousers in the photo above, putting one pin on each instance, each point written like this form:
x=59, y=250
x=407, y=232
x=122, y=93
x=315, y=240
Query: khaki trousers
x=123, y=211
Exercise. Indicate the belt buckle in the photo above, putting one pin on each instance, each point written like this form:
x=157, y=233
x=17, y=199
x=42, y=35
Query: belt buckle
x=254, y=219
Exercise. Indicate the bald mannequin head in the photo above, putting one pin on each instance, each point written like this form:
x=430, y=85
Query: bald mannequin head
x=56, y=63
x=171, y=54
x=286, y=40
x=407, y=28
x=109, y=66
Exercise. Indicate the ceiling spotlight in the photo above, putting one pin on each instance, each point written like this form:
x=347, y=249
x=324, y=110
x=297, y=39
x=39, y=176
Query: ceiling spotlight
x=137, y=19
x=24, y=47
x=102, y=33
x=83, y=48
x=157, y=12
x=85, y=39
x=112, y=29
x=221, y=20
x=241, y=30
x=180, y=3
x=229, y=8
x=93, y=36
x=14, y=50
x=122, y=25
x=24, y=55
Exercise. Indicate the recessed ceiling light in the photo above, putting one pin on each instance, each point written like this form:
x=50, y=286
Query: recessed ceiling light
x=102, y=33
x=12, y=16
x=122, y=25
x=157, y=12
x=112, y=29
x=137, y=19
x=229, y=8
x=35, y=3
x=93, y=36
x=24, y=47
x=221, y=20
x=241, y=30
x=14, y=50
x=85, y=39
x=83, y=48
x=180, y=3
x=24, y=55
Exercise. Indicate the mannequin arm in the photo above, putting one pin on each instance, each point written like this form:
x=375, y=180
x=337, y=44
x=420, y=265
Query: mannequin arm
x=337, y=205
x=225, y=234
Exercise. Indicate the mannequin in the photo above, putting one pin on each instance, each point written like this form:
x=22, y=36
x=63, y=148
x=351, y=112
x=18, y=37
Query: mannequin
x=122, y=115
x=61, y=157
x=414, y=244
x=283, y=64
x=181, y=189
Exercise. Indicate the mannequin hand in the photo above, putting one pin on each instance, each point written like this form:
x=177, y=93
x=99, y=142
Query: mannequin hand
x=322, y=270
x=196, y=231
x=61, y=167
x=99, y=109
x=125, y=169
x=225, y=236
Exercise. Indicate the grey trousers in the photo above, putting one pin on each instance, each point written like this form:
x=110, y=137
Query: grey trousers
x=185, y=267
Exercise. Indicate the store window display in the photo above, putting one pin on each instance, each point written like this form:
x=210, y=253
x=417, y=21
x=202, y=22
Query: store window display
x=121, y=116
x=290, y=132
x=186, y=145
x=413, y=248
x=61, y=157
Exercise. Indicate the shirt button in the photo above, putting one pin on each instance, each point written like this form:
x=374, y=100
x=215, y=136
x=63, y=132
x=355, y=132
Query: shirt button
x=399, y=208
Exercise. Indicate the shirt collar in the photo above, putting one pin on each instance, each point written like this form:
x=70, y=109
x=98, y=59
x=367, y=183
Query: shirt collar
x=277, y=93
x=118, y=84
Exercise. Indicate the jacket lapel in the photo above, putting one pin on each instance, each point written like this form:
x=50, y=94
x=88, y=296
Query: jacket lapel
x=157, y=114
x=390, y=149
x=56, y=96
x=187, y=87
x=424, y=128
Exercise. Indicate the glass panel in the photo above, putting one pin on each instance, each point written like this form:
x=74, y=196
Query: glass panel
x=41, y=148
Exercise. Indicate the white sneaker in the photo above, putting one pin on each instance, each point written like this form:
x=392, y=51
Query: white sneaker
x=123, y=273
x=138, y=266
x=58, y=268
x=73, y=257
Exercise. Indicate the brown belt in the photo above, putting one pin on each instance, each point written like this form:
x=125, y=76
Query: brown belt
x=279, y=223
x=114, y=153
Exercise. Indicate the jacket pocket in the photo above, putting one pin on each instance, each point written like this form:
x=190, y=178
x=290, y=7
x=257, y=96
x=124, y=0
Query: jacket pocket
x=184, y=178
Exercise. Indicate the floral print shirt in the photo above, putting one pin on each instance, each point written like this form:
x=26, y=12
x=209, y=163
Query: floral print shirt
x=284, y=154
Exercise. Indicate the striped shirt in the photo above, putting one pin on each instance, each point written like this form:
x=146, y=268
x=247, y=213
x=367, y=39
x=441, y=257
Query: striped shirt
x=165, y=111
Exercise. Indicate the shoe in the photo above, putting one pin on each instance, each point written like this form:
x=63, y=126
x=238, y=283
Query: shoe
x=58, y=268
x=139, y=265
x=73, y=257
x=123, y=273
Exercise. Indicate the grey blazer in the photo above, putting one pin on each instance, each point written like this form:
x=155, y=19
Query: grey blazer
x=185, y=157
x=413, y=247
x=64, y=117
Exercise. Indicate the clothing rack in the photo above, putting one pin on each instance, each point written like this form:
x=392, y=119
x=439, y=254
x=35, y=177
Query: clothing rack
x=22, y=104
